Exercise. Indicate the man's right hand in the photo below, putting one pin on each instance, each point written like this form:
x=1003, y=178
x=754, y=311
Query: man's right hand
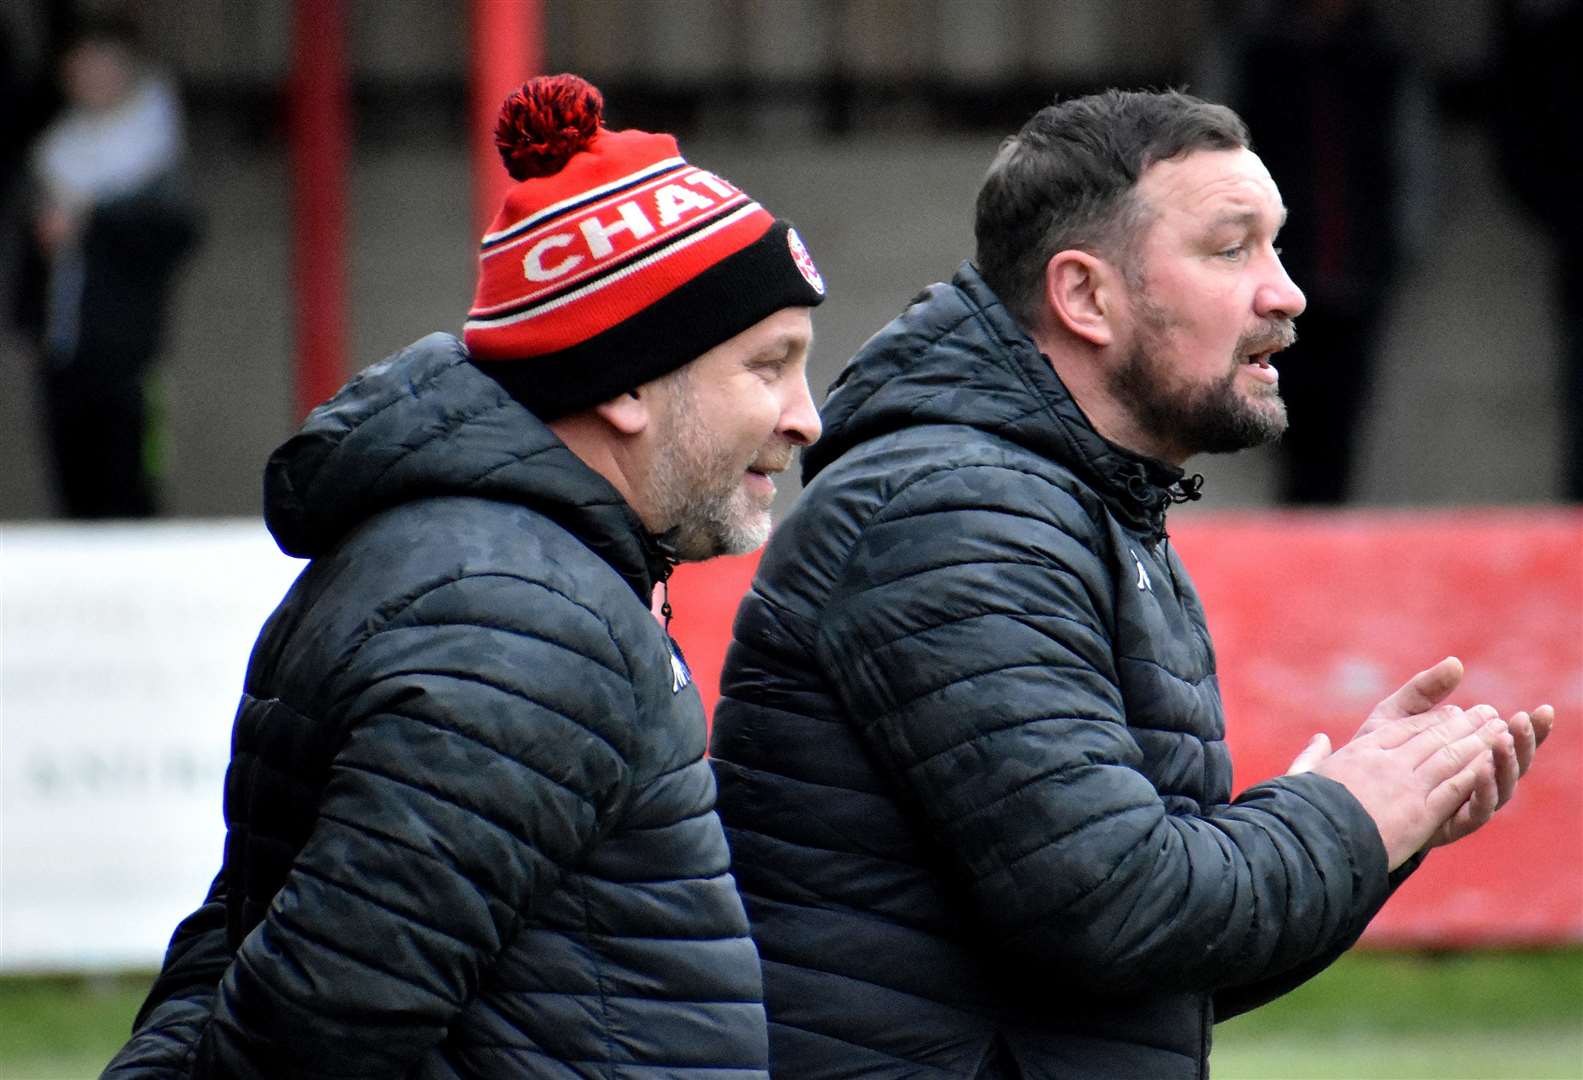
x=1412, y=774
x=1429, y=688
x=1416, y=764
x=1418, y=705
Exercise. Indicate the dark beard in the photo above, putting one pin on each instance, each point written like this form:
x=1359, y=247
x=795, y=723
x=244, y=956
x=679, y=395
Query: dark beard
x=1212, y=419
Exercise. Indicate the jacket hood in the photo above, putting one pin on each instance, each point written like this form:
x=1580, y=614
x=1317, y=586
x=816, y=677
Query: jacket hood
x=956, y=356
x=426, y=423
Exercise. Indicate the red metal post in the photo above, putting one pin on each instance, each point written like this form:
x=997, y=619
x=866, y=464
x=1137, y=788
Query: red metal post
x=508, y=49
x=320, y=135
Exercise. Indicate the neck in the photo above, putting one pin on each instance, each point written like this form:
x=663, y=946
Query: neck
x=589, y=437
x=1083, y=369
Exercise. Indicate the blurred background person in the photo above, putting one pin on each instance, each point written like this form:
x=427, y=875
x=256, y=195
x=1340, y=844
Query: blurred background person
x=31, y=99
x=112, y=221
x=1538, y=129
x=1341, y=118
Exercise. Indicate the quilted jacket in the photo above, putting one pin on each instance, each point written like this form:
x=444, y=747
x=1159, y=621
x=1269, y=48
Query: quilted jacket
x=471, y=830
x=971, y=752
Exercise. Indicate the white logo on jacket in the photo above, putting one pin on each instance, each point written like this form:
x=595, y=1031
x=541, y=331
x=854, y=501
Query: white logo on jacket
x=681, y=678
x=1144, y=584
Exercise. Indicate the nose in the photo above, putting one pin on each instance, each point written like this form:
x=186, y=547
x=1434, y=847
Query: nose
x=1279, y=297
x=799, y=420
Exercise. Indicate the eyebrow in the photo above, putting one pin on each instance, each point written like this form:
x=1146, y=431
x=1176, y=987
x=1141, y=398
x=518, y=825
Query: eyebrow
x=792, y=340
x=781, y=350
x=1246, y=218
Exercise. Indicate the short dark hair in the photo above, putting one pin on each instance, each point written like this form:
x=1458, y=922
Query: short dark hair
x=110, y=26
x=1066, y=180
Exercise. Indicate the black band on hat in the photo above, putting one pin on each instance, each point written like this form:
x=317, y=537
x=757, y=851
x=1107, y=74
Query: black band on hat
x=740, y=290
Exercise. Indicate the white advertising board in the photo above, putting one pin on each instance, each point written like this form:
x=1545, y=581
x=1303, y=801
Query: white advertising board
x=122, y=650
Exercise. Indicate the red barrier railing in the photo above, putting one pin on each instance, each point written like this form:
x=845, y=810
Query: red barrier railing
x=319, y=99
x=507, y=49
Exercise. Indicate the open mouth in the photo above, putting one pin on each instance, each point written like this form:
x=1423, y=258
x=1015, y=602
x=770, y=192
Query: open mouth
x=1262, y=346
x=761, y=481
x=1258, y=364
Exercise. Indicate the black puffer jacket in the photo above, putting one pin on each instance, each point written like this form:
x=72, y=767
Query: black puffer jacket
x=970, y=746
x=470, y=825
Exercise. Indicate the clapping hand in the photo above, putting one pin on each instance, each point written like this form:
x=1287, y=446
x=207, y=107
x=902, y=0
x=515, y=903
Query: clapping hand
x=1415, y=759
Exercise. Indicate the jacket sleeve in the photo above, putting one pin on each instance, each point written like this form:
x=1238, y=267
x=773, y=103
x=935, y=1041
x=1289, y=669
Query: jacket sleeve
x=1235, y=1000
x=974, y=649
x=480, y=756
x=178, y=1005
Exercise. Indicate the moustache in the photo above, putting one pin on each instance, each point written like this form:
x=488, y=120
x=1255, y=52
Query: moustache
x=1273, y=337
x=774, y=459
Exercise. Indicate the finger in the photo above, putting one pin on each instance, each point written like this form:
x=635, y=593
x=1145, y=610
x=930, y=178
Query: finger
x=1475, y=812
x=1317, y=750
x=1430, y=730
x=1485, y=800
x=1507, y=769
x=1446, y=748
x=1459, y=786
x=1525, y=739
x=1544, y=718
x=1452, y=757
x=1451, y=724
x=1423, y=691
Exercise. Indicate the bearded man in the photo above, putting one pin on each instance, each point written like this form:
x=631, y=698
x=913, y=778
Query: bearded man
x=970, y=745
x=470, y=827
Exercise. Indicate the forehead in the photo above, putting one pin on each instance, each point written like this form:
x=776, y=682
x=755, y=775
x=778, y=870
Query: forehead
x=789, y=327
x=1207, y=185
x=789, y=330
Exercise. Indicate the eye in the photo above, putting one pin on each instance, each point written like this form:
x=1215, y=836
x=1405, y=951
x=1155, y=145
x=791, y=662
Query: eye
x=1234, y=252
x=771, y=367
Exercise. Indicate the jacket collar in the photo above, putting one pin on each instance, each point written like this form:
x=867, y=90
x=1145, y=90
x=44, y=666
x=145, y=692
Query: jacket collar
x=957, y=356
x=426, y=423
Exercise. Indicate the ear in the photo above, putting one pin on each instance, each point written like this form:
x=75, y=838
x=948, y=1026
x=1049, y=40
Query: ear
x=628, y=413
x=1080, y=290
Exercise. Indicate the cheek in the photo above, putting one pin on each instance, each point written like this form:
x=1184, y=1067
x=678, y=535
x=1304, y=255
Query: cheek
x=1201, y=316
x=1210, y=335
x=736, y=440
x=742, y=422
x=756, y=417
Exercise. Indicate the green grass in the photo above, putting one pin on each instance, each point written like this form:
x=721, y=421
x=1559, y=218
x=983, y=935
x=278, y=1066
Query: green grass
x=65, y=1027
x=1386, y=1016
x=1373, y=1016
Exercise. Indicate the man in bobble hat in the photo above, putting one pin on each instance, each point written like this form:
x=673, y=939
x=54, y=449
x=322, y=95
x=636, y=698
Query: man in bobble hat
x=471, y=830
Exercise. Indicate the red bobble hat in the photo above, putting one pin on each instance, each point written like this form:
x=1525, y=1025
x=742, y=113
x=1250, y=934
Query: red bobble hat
x=614, y=261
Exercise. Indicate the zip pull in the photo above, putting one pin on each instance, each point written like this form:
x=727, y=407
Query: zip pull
x=665, y=603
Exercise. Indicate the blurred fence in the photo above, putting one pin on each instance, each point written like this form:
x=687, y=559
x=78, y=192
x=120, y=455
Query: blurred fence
x=122, y=650
x=840, y=58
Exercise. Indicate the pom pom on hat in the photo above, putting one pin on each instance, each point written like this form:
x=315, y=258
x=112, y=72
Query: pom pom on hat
x=545, y=122
x=613, y=261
